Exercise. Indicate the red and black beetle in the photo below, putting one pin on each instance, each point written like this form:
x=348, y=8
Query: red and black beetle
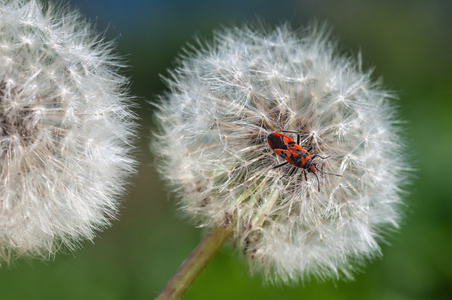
x=292, y=152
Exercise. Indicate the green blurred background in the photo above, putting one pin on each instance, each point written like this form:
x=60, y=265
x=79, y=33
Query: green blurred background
x=409, y=43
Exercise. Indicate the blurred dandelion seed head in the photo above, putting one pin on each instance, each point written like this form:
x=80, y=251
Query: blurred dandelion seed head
x=65, y=130
x=223, y=101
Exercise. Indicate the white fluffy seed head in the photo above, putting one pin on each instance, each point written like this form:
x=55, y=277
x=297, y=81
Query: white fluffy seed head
x=65, y=130
x=226, y=98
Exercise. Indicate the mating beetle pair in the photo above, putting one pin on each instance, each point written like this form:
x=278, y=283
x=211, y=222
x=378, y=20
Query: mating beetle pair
x=292, y=152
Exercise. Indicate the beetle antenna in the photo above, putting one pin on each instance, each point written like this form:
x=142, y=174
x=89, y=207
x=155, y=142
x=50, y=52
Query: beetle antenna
x=318, y=182
x=328, y=173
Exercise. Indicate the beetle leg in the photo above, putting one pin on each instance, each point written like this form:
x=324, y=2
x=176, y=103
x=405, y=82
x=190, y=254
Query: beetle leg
x=318, y=156
x=293, y=171
x=280, y=165
x=297, y=133
x=318, y=182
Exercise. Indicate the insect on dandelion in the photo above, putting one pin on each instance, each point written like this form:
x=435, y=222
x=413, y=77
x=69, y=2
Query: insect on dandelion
x=65, y=130
x=224, y=101
x=298, y=157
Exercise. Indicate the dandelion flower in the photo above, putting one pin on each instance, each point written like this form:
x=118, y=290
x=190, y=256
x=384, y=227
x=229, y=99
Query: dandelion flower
x=65, y=130
x=223, y=102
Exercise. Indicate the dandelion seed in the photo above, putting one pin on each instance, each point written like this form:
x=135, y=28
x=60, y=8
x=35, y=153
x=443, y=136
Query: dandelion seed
x=65, y=130
x=226, y=98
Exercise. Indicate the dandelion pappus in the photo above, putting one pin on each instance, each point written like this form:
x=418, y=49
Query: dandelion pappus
x=292, y=152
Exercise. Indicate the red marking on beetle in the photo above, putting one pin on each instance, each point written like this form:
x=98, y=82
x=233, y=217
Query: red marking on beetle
x=292, y=152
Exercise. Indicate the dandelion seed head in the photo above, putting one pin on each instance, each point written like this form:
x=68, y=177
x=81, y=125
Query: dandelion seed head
x=65, y=130
x=224, y=99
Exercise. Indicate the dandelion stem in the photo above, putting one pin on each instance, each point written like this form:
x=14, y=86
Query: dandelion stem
x=195, y=263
